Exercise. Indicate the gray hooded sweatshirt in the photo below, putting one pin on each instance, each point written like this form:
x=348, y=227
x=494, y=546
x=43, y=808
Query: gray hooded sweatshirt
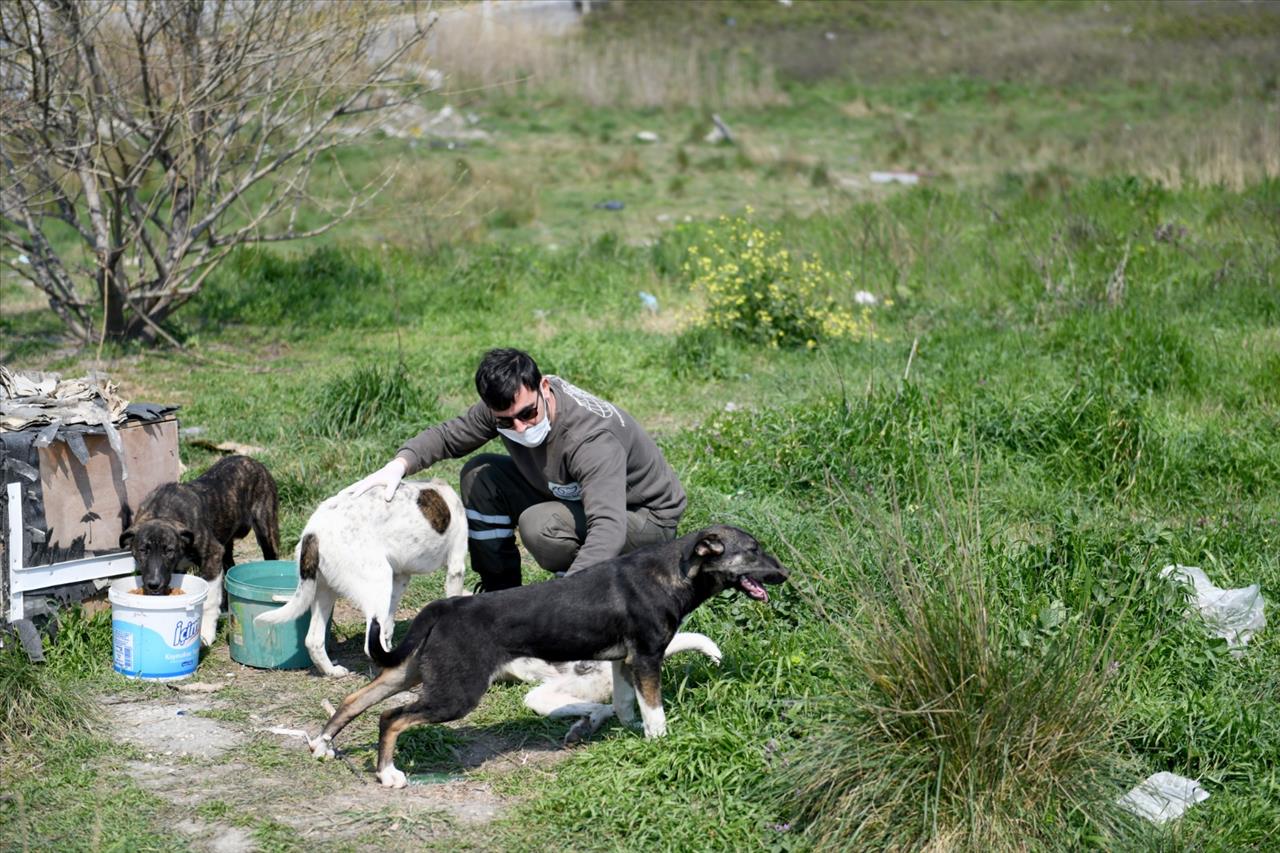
x=595, y=453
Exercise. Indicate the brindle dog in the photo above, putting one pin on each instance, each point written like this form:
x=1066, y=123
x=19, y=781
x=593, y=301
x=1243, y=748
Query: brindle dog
x=193, y=525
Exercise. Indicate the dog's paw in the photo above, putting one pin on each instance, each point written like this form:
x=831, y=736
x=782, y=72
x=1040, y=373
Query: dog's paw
x=322, y=748
x=654, y=730
x=579, y=731
x=337, y=671
x=391, y=777
x=208, y=634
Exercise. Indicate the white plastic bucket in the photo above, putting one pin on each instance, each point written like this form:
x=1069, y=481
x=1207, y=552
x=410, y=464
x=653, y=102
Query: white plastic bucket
x=156, y=637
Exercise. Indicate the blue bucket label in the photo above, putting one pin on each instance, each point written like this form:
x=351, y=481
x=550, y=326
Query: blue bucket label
x=141, y=652
x=185, y=632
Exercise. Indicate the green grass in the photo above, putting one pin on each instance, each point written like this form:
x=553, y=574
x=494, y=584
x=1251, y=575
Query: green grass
x=1112, y=436
x=61, y=777
x=1077, y=383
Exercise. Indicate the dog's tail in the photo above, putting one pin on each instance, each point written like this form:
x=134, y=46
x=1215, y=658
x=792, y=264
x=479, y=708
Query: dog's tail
x=418, y=633
x=690, y=641
x=308, y=569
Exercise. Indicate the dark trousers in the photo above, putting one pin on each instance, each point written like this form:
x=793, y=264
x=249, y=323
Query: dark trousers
x=500, y=502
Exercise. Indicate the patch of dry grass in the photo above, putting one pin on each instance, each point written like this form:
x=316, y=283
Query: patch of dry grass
x=513, y=53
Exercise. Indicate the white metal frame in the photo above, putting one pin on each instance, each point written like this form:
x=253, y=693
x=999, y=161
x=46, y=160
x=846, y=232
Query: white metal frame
x=26, y=579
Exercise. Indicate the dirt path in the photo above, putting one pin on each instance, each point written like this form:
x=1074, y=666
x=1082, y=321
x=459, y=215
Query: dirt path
x=228, y=774
x=218, y=748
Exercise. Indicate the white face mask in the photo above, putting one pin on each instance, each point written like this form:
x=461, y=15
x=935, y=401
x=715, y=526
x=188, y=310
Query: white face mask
x=532, y=436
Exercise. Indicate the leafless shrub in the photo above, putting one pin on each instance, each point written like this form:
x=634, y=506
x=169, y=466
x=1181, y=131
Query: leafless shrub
x=145, y=140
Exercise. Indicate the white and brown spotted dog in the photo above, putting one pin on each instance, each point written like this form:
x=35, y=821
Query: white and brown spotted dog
x=584, y=688
x=366, y=549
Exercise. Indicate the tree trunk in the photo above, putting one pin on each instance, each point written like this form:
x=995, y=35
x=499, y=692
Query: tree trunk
x=139, y=330
x=113, y=302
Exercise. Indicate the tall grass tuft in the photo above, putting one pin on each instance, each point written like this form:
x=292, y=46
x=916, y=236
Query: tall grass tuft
x=372, y=398
x=46, y=701
x=941, y=730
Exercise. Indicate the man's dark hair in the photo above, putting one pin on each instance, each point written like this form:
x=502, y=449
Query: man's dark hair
x=501, y=375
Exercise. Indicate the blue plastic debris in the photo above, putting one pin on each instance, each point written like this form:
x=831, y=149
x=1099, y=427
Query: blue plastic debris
x=610, y=205
x=650, y=301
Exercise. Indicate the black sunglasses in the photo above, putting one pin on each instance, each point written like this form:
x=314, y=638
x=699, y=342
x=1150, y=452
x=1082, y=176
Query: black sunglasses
x=525, y=415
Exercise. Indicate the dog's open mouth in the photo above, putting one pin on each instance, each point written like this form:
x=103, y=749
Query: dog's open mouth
x=753, y=588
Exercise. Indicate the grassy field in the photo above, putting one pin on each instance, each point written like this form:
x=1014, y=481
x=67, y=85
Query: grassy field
x=1069, y=379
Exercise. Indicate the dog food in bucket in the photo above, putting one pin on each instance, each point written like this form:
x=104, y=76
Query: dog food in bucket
x=157, y=637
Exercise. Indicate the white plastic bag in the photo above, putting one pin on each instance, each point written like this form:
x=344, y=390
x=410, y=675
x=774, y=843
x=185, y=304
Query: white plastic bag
x=1233, y=614
x=1164, y=796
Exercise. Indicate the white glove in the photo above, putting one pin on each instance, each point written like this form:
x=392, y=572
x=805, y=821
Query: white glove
x=388, y=476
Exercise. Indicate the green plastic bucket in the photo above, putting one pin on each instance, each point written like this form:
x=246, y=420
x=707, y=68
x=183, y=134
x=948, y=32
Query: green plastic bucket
x=254, y=588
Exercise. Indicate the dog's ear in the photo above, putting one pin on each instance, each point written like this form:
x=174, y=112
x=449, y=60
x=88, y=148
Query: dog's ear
x=188, y=539
x=126, y=540
x=709, y=546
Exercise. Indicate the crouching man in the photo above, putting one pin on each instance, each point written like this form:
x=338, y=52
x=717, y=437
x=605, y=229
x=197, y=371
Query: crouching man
x=581, y=480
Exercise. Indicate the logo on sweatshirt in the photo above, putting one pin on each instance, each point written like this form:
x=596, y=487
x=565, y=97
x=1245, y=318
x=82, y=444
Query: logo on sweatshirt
x=566, y=491
x=590, y=402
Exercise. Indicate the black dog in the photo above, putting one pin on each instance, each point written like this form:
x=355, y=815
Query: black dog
x=624, y=610
x=194, y=524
